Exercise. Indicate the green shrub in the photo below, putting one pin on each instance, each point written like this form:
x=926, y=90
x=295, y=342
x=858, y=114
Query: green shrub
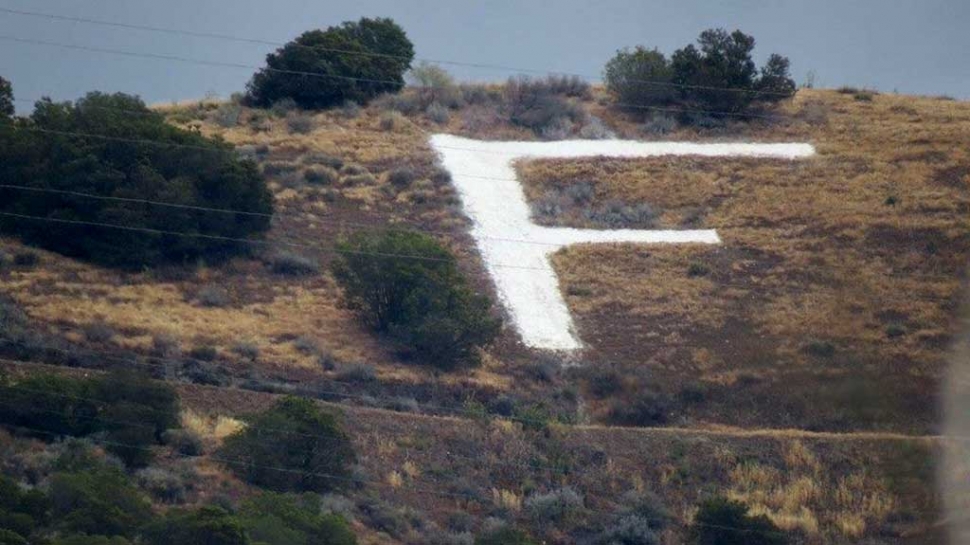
x=131, y=410
x=285, y=519
x=718, y=76
x=6, y=99
x=385, y=55
x=640, y=77
x=721, y=521
x=407, y=285
x=142, y=157
x=204, y=526
x=98, y=502
x=504, y=535
x=21, y=511
x=307, y=445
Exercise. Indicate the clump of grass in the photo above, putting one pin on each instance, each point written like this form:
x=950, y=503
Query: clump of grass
x=696, y=269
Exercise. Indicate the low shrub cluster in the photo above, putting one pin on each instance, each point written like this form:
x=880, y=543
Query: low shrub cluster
x=291, y=447
x=143, y=157
x=407, y=286
x=88, y=502
x=130, y=410
x=543, y=106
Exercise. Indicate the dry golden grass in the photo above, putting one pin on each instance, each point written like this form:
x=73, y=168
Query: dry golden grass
x=813, y=254
x=838, y=275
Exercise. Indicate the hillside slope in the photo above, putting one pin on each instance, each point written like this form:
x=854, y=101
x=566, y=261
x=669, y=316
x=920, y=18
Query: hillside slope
x=829, y=307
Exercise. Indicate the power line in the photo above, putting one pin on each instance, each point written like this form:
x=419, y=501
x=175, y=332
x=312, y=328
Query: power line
x=227, y=37
x=311, y=247
x=149, y=230
x=189, y=60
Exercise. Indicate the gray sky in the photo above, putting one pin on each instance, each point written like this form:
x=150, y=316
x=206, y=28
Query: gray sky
x=913, y=46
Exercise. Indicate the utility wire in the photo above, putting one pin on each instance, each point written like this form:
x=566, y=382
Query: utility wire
x=239, y=39
x=311, y=247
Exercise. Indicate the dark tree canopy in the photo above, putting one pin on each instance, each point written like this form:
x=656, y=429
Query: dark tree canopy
x=6, y=99
x=407, y=285
x=130, y=410
x=293, y=446
x=717, y=76
x=137, y=156
x=322, y=68
x=288, y=519
x=204, y=526
x=721, y=521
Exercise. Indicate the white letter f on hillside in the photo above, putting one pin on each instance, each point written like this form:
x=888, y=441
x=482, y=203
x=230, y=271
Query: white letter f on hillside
x=516, y=251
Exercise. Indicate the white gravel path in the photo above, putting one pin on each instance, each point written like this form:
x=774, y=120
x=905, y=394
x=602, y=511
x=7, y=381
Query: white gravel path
x=516, y=251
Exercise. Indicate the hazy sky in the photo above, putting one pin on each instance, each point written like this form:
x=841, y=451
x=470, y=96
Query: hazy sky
x=913, y=46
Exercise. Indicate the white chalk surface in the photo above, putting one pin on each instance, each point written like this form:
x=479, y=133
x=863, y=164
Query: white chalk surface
x=516, y=251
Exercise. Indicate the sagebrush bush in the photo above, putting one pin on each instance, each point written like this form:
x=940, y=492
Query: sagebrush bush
x=350, y=109
x=163, y=485
x=617, y=214
x=300, y=122
x=323, y=159
x=537, y=106
x=437, y=113
x=647, y=409
x=227, y=115
x=554, y=507
x=212, y=295
x=420, y=300
x=320, y=175
x=402, y=177
x=291, y=264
